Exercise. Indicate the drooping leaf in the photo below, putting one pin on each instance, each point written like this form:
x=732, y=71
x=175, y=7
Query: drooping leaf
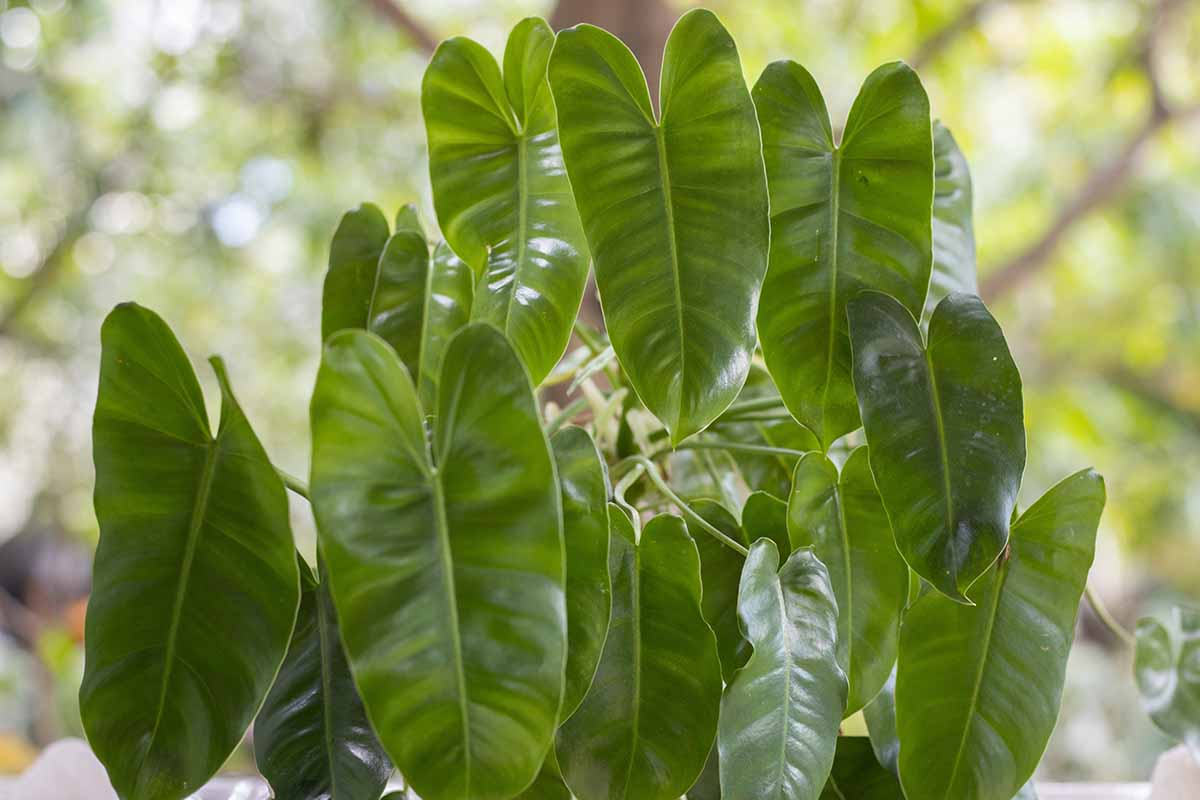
x=584, y=483
x=312, y=740
x=953, y=222
x=675, y=210
x=646, y=725
x=194, y=587
x=720, y=573
x=353, y=264
x=845, y=216
x=1167, y=668
x=501, y=194
x=780, y=714
x=765, y=516
x=880, y=715
x=857, y=775
x=946, y=430
x=448, y=581
x=978, y=687
x=842, y=519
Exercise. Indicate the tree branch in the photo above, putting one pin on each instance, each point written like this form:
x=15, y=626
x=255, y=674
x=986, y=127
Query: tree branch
x=1106, y=179
x=417, y=33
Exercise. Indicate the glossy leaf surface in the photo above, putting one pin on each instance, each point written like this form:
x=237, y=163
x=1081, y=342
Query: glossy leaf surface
x=646, y=725
x=353, y=263
x=946, y=429
x=312, y=740
x=845, y=217
x=675, y=210
x=857, y=775
x=842, y=519
x=1167, y=668
x=448, y=581
x=194, y=586
x=720, y=574
x=584, y=483
x=953, y=222
x=880, y=715
x=780, y=714
x=502, y=196
x=765, y=516
x=978, y=687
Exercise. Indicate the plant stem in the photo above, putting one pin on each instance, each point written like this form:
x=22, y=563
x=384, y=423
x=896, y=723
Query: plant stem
x=564, y=416
x=738, y=447
x=1107, y=619
x=619, y=498
x=757, y=404
x=292, y=482
x=588, y=336
x=657, y=478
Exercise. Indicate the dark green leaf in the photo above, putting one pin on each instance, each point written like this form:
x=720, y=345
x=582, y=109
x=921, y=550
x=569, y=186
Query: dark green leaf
x=953, y=222
x=880, y=715
x=1167, y=667
x=548, y=785
x=857, y=775
x=708, y=785
x=449, y=580
x=978, y=687
x=765, y=516
x=501, y=194
x=646, y=725
x=584, y=483
x=312, y=740
x=771, y=473
x=946, y=430
x=194, y=587
x=720, y=573
x=353, y=263
x=844, y=217
x=843, y=520
x=780, y=714
x=675, y=210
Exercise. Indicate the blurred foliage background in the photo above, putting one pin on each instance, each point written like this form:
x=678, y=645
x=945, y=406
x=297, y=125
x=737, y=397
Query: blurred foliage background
x=195, y=155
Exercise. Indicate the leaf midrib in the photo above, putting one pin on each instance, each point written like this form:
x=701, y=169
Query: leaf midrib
x=944, y=455
x=522, y=143
x=669, y=210
x=326, y=694
x=195, y=523
x=834, y=215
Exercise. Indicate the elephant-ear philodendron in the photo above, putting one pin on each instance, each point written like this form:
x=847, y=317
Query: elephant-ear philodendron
x=673, y=576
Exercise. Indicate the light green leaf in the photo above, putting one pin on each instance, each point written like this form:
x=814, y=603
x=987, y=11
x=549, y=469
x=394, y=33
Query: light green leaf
x=1167, y=668
x=408, y=220
x=765, y=516
x=647, y=723
x=780, y=714
x=353, y=264
x=845, y=217
x=448, y=581
x=720, y=574
x=946, y=430
x=501, y=194
x=953, y=222
x=978, y=687
x=584, y=483
x=194, y=587
x=857, y=775
x=675, y=210
x=312, y=740
x=842, y=519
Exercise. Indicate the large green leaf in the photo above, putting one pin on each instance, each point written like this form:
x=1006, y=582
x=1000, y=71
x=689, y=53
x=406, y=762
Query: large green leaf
x=978, y=687
x=1167, y=668
x=845, y=216
x=647, y=723
x=780, y=714
x=857, y=775
x=766, y=516
x=842, y=519
x=353, y=265
x=720, y=574
x=501, y=194
x=946, y=430
x=448, y=299
x=194, y=587
x=584, y=483
x=312, y=740
x=675, y=210
x=953, y=222
x=448, y=580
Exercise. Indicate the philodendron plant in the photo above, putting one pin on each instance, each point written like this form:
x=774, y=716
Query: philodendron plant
x=789, y=494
